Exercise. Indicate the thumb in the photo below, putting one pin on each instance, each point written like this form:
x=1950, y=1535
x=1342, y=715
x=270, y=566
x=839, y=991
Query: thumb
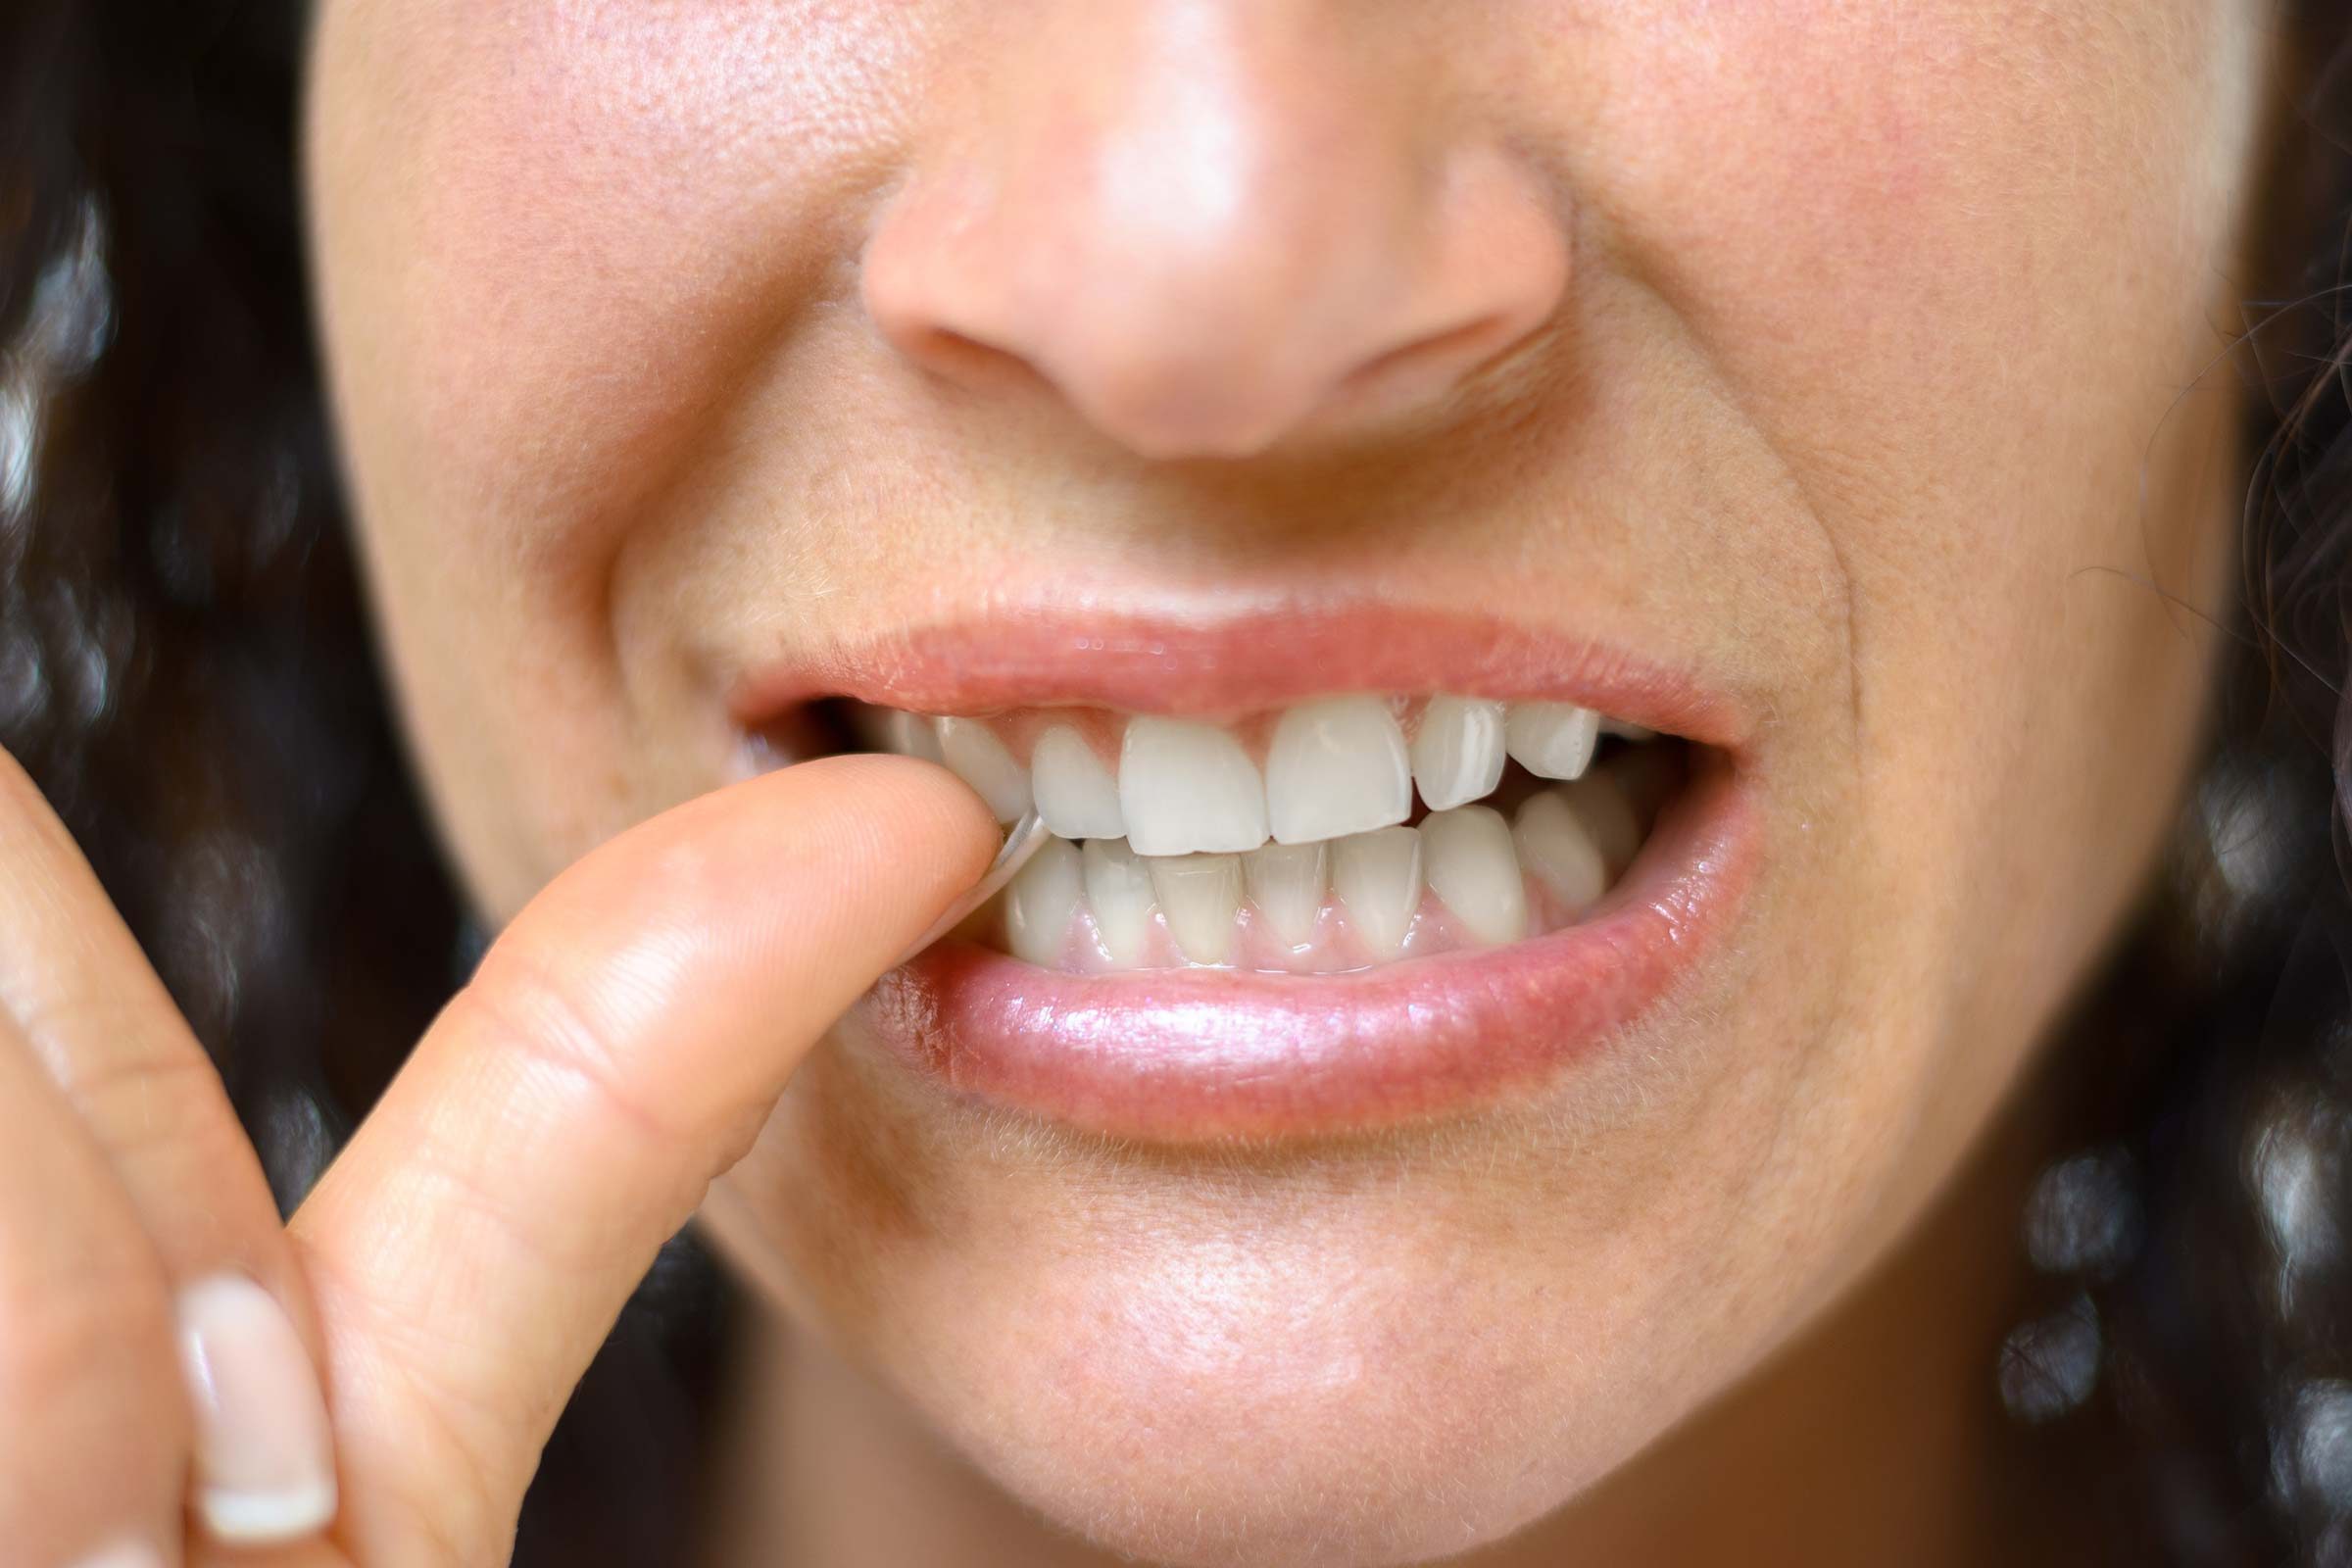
x=621, y=1045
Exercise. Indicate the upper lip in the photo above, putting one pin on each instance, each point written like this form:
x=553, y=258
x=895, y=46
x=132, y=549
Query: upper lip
x=1227, y=663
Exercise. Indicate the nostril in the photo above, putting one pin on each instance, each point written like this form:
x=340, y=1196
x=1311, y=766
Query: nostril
x=961, y=358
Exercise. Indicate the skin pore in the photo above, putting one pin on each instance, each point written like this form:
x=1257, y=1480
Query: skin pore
x=1855, y=359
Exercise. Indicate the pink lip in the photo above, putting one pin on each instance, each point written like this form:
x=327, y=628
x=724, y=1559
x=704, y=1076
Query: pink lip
x=1178, y=1056
x=1234, y=664
x=1181, y=1056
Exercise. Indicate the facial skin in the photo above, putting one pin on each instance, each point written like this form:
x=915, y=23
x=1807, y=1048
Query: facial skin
x=1846, y=348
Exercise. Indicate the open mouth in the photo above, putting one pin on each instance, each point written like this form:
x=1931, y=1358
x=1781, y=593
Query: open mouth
x=1328, y=837
x=1313, y=914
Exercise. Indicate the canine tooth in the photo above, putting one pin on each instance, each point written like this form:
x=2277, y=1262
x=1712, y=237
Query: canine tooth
x=1378, y=877
x=1200, y=894
x=1286, y=881
x=1075, y=793
x=1600, y=805
x=1627, y=731
x=1473, y=867
x=1560, y=850
x=1457, y=753
x=1337, y=766
x=972, y=752
x=1039, y=904
x=1118, y=889
x=1551, y=740
x=1187, y=788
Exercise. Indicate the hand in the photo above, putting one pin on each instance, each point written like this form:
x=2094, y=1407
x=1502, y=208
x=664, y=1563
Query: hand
x=374, y=1381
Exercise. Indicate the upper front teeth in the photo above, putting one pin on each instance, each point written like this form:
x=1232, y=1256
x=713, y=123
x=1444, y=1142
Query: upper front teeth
x=1188, y=788
x=1075, y=793
x=1334, y=767
x=1337, y=767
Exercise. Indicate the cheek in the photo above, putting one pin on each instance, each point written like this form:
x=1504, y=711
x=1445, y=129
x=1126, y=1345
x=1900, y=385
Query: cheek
x=1928, y=246
x=1965, y=268
x=568, y=226
x=548, y=238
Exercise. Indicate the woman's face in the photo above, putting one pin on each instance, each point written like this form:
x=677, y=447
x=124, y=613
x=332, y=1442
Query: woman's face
x=1822, y=385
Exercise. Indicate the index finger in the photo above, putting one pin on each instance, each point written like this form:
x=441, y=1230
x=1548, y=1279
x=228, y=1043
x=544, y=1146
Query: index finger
x=620, y=1047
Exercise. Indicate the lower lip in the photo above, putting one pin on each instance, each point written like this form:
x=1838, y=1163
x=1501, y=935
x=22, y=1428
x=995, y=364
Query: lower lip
x=1185, y=1055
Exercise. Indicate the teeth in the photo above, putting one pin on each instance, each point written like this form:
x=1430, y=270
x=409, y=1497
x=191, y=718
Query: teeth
x=1551, y=740
x=908, y=735
x=1457, y=753
x=975, y=756
x=1041, y=902
x=1600, y=805
x=1560, y=850
x=1186, y=788
x=1378, y=877
x=1183, y=828
x=1118, y=888
x=1200, y=894
x=1075, y=793
x=1474, y=869
x=1287, y=882
x=1334, y=767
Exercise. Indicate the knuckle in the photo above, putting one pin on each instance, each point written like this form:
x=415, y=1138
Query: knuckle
x=140, y=1093
x=521, y=1005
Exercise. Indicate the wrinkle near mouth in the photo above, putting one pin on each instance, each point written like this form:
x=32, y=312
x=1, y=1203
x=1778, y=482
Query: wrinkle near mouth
x=1332, y=836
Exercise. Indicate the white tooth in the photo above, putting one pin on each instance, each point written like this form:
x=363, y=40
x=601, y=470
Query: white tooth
x=1630, y=732
x=1378, y=877
x=1118, y=889
x=1042, y=901
x=1187, y=787
x=1337, y=766
x=1075, y=793
x=1556, y=846
x=1474, y=869
x=1285, y=882
x=908, y=735
x=972, y=752
x=1551, y=740
x=1600, y=805
x=1457, y=753
x=1200, y=894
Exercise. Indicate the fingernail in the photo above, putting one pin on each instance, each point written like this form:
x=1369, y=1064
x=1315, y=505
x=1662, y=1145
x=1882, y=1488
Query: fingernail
x=265, y=1469
x=124, y=1554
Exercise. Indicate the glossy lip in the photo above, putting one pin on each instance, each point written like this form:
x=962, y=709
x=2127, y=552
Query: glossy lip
x=1191, y=1055
x=1196, y=1054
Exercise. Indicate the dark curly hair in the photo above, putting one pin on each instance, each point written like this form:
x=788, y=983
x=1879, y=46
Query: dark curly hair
x=184, y=669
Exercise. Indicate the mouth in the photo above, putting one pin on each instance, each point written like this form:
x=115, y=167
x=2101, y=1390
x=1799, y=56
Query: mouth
x=1278, y=905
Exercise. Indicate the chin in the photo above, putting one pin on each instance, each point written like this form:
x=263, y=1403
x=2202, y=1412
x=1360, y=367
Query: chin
x=1258, y=1430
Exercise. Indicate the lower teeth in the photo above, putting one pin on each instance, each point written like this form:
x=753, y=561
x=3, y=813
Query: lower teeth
x=1470, y=877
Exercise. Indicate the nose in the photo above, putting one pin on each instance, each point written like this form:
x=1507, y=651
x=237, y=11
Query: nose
x=1212, y=226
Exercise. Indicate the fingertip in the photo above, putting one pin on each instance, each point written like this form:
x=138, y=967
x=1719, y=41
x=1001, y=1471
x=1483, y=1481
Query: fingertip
x=913, y=814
